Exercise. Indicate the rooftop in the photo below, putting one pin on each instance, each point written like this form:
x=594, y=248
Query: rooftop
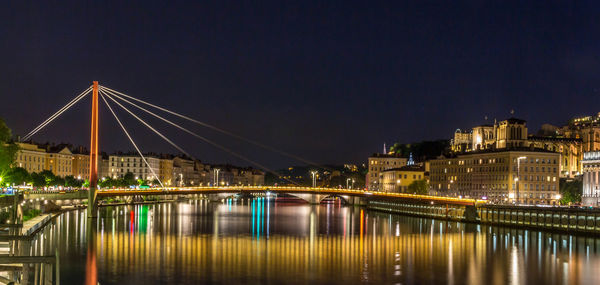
x=385, y=155
x=415, y=168
x=485, y=151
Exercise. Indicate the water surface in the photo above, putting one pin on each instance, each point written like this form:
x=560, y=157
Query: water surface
x=261, y=242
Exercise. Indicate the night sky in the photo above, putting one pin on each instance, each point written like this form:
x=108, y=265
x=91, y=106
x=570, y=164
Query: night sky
x=330, y=81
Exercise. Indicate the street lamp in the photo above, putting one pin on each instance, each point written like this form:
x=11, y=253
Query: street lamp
x=314, y=181
x=348, y=183
x=353, y=183
x=518, y=175
x=180, y=179
x=216, y=172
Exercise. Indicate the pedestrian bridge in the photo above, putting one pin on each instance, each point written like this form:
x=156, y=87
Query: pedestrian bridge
x=310, y=194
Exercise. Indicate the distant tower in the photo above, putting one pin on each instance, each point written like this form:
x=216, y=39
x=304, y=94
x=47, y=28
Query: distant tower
x=384, y=149
x=410, y=160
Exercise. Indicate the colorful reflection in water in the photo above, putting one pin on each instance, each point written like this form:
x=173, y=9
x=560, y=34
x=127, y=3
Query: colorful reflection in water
x=258, y=241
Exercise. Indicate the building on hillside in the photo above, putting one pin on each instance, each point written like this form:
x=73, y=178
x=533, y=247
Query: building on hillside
x=59, y=160
x=31, y=157
x=591, y=179
x=501, y=176
x=397, y=180
x=462, y=141
x=513, y=133
x=379, y=162
x=483, y=137
x=121, y=164
x=585, y=128
x=570, y=150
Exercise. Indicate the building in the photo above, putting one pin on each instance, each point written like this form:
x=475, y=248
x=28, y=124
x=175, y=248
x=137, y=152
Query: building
x=165, y=172
x=59, y=160
x=501, y=176
x=462, y=141
x=397, y=180
x=586, y=128
x=81, y=163
x=31, y=157
x=187, y=172
x=258, y=177
x=104, y=166
x=513, y=133
x=121, y=164
x=591, y=179
x=483, y=137
x=379, y=162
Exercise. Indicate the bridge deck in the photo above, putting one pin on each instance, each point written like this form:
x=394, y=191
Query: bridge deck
x=283, y=189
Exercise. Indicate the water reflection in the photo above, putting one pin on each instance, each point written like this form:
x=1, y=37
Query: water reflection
x=258, y=241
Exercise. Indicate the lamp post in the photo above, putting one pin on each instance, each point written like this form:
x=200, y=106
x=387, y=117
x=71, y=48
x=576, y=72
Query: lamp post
x=348, y=183
x=216, y=171
x=518, y=175
x=180, y=179
x=314, y=181
x=353, y=183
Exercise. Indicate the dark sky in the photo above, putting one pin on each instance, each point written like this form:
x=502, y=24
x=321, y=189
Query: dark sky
x=326, y=80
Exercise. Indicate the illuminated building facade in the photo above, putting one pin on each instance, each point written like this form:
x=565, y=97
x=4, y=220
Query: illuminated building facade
x=513, y=133
x=397, y=180
x=81, y=164
x=379, y=162
x=501, y=176
x=31, y=157
x=462, y=141
x=59, y=160
x=121, y=164
x=591, y=179
x=165, y=173
x=483, y=137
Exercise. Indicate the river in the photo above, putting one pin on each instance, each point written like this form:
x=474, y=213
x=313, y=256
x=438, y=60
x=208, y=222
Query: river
x=261, y=242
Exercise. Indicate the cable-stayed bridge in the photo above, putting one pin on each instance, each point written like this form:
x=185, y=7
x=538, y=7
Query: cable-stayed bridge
x=113, y=98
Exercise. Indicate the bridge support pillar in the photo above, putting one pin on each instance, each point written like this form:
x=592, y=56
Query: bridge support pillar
x=92, y=209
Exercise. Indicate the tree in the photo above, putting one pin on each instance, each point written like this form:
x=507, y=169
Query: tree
x=570, y=191
x=38, y=180
x=129, y=179
x=71, y=181
x=8, y=149
x=420, y=187
x=421, y=150
x=17, y=176
x=107, y=182
x=49, y=177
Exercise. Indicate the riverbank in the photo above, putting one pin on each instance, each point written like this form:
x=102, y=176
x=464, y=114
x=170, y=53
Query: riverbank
x=551, y=219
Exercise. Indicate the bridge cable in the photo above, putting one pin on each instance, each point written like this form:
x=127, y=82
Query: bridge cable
x=202, y=138
x=132, y=142
x=55, y=115
x=220, y=130
x=147, y=125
